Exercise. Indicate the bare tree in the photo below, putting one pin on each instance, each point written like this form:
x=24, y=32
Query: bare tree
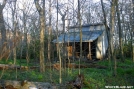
x=80, y=29
x=14, y=22
x=111, y=35
x=41, y=11
x=25, y=32
x=120, y=31
x=108, y=33
x=49, y=36
x=2, y=26
x=58, y=48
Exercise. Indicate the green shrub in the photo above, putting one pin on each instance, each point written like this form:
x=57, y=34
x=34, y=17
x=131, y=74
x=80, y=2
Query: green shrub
x=127, y=49
x=120, y=71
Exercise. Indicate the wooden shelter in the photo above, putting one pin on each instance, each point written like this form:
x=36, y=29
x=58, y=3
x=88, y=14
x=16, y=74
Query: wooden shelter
x=94, y=41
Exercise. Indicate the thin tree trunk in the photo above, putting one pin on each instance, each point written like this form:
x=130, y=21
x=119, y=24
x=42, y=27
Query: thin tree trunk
x=14, y=30
x=2, y=26
x=130, y=26
x=132, y=33
x=111, y=36
x=26, y=37
x=74, y=35
x=120, y=32
x=80, y=29
x=49, y=38
x=14, y=49
x=58, y=48
x=63, y=15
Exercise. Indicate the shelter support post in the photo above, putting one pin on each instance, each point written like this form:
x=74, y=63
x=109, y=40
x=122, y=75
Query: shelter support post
x=89, y=54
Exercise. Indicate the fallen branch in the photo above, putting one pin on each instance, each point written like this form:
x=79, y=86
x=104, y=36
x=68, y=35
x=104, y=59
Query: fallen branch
x=12, y=66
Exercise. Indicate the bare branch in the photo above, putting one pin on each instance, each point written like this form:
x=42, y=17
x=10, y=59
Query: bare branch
x=37, y=5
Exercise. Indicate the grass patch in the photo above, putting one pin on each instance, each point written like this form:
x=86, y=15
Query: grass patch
x=94, y=78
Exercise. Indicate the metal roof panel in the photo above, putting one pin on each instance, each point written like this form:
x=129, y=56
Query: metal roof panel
x=75, y=36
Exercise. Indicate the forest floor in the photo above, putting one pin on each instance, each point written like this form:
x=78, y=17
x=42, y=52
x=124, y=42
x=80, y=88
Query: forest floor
x=99, y=77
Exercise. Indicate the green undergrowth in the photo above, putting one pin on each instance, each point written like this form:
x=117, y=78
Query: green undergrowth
x=94, y=78
x=22, y=62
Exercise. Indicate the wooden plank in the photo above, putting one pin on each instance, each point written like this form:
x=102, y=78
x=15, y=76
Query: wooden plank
x=70, y=50
x=89, y=54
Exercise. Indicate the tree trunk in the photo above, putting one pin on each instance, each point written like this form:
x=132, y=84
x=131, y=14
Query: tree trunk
x=2, y=26
x=41, y=12
x=14, y=49
x=63, y=15
x=132, y=33
x=58, y=48
x=63, y=44
x=14, y=29
x=25, y=34
x=49, y=38
x=120, y=32
x=80, y=29
x=74, y=33
x=108, y=35
x=111, y=36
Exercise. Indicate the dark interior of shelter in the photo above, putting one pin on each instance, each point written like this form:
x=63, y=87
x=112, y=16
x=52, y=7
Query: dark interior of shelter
x=88, y=49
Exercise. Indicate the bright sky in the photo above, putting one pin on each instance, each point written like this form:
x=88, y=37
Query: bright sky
x=20, y=4
x=96, y=1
